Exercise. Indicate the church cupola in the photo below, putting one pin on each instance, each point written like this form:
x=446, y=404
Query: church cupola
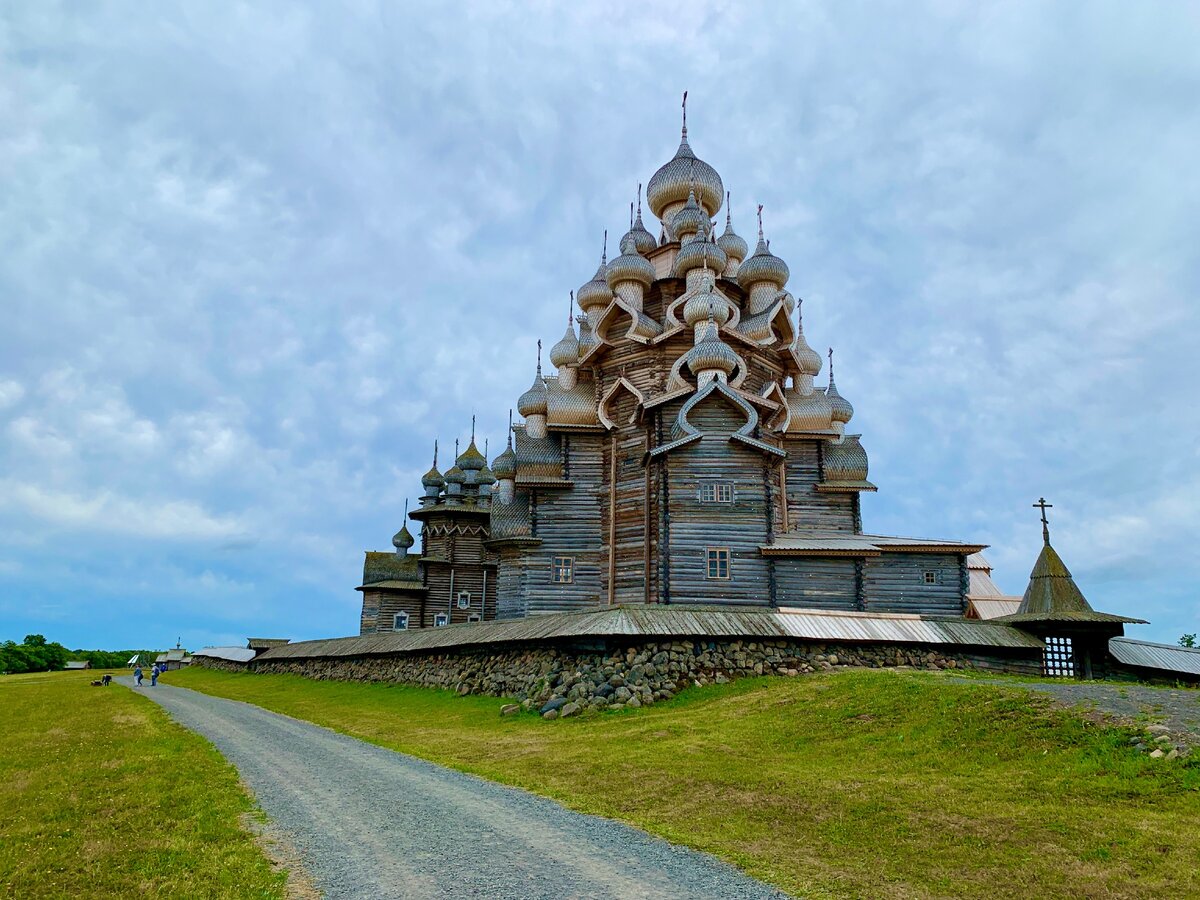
x=471, y=461
x=763, y=275
x=484, y=477
x=630, y=274
x=808, y=360
x=564, y=355
x=732, y=243
x=705, y=305
x=432, y=480
x=711, y=359
x=402, y=540
x=643, y=240
x=699, y=253
x=587, y=337
x=691, y=221
x=455, y=479
x=532, y=403
x=595, y=295
x=841, y=411
x=669, y=187
x=505, y=469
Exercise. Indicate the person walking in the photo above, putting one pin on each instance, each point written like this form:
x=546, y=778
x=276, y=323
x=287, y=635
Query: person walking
x=137, y=675
x=154, y=676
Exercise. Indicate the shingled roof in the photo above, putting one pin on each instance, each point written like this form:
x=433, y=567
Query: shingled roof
x=1053, y=596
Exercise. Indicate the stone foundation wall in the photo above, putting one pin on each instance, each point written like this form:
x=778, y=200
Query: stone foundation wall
x=225, y=665
x=574, y=678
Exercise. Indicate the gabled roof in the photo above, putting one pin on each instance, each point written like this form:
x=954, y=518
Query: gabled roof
x=839, y=543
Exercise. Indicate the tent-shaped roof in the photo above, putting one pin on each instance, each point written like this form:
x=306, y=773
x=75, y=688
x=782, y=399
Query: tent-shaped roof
x=1053, y=596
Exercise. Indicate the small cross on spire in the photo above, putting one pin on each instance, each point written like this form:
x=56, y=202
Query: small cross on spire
x=1043, y=506
x=472, y=428
x=539, y=364
x=760, y=235
x=685, y=115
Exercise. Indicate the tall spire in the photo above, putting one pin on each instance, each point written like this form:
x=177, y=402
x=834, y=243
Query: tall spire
x=472, y=428
x=510, y=428
x=435, y=453
x=1043, y=505
x=631, y=217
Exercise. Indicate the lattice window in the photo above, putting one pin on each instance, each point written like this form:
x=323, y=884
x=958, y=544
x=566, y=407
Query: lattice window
x=564, y=570
x=1058, y=659
x=400, y=621
x=718, y=562
x=716, y=492
x=931, y=577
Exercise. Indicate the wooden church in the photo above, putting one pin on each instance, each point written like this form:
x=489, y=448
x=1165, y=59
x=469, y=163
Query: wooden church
x=682, y=453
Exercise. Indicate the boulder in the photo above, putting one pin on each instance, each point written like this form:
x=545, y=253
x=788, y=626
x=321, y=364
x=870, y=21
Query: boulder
x=571, y=709
x=550, y=714
x=554, y=704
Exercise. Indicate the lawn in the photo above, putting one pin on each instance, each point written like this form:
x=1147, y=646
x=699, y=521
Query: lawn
x=852, y=784
x=101, y=795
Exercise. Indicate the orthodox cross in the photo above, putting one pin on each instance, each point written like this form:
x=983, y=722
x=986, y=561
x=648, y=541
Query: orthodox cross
x=685, y=115
x=472, y=429
x=760, y=234
x=1043, y=506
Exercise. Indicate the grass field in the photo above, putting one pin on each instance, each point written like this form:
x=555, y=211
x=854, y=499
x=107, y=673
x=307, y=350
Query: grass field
x=101, y=795
x=854, y=784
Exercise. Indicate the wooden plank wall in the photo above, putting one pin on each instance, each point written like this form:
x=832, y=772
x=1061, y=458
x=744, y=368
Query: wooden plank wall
x=817, y=582
x=808, y=509
x=895, y=582
x=741, y=525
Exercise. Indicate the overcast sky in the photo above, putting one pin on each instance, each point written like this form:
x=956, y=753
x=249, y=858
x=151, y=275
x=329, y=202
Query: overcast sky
x=255, y=257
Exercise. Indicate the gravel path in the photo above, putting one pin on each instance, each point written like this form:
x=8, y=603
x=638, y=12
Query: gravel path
x=370, y=822
x=1179, y=710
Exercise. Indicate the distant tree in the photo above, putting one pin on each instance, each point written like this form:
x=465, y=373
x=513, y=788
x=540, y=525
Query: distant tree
x=34, y=640
x=1188, y=640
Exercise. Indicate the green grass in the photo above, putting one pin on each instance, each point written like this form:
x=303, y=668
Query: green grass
x=854, y=784
x=101, y=795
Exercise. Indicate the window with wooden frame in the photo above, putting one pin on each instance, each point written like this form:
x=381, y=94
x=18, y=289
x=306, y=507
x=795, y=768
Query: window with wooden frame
x=400, y=621
x=564, y=570
x=717, y=492
x=441, y=619
x=717, y=562
x=464, y=600
x=474, y=617
x=931, y=577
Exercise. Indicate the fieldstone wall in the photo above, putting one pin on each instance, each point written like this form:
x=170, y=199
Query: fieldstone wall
x=564, y=680
x=225, y=665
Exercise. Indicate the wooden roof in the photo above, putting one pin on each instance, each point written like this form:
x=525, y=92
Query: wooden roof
x=1053, y=596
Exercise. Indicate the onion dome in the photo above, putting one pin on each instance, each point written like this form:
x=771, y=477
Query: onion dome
x=433, y=478
x=732, y=243
x=704, y=305
x=671, y=183
x=808, y=412
x=629, y=266
x=533, y=401
x=402, y=539
x=566, y=351
x=596, y=292
x=700, y=252
x=691, y=219
x=763, y=265
x=505, y=465
x=711, y=353
x=484, y=476
x=471, y=460
x=842, y=410
x=455, y=475
x=642, y=239
x=808, y=358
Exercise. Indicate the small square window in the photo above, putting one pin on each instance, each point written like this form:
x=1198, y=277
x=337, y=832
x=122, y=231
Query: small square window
x=464, y=600
x=441, y=619
x=718, y=562
x=474, y=617
x=564, y=569
x=931, y=577
x=717, y=492
x=400, y=621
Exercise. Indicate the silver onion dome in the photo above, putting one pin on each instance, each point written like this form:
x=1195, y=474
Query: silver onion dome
x=643, y=240
x=699, y=252
x=671, y=183
x=505, y=465
x=845, y=460
x=485, y=476
x=587, y=337
x=842, y=411
x=402, y=539
x=691, y=219
x=433, y=478
x=730, y=241
x=595, y=292
x=533, y=401
x=762, y=266
x=703, y=305
x=808, y=358
x=629, y=266
x=566, y=351
x=711, y=353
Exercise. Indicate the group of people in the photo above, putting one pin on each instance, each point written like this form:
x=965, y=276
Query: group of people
x=154, y=673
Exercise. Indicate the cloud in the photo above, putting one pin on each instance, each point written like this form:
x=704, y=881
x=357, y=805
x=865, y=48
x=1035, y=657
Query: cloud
x=258, y=258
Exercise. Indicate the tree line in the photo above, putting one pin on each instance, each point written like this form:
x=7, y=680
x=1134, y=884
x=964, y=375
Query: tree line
x=36, y=654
